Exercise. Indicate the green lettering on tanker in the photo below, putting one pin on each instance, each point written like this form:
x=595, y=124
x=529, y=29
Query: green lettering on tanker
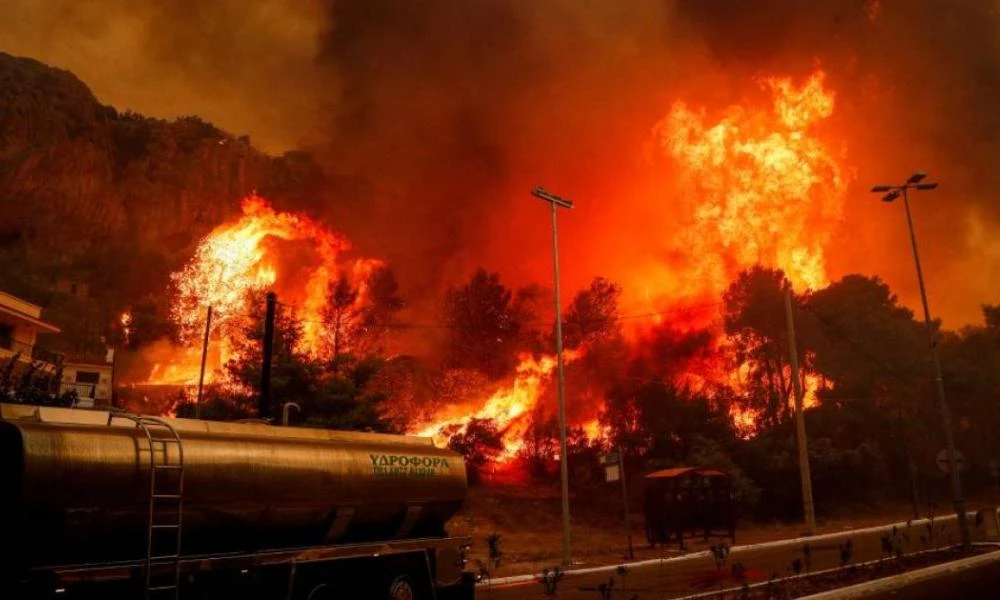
x=402, y=465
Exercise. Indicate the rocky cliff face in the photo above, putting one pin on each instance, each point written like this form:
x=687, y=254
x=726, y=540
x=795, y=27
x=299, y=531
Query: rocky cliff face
x=79, y=179
x=115, y=201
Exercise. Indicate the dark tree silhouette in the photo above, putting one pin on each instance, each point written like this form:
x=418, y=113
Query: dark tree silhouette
x=755, y=321
x=480, y=443
x=483, y=329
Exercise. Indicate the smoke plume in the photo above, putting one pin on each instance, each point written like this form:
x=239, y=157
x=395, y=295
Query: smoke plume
x=436, y=118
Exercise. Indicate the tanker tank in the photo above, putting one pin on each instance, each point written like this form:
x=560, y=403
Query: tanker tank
x=75, y=486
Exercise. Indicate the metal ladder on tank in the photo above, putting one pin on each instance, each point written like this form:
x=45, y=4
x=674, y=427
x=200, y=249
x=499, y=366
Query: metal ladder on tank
x=163, y=490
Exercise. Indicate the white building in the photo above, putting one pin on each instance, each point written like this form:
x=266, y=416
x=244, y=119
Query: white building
x=20, y=325
x=91, y=380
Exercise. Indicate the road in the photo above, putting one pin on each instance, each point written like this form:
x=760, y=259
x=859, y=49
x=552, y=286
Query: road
x=686, y=575
x=980, y=583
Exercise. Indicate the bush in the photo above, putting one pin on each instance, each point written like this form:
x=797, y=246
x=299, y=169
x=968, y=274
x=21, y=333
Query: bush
x=480, y=443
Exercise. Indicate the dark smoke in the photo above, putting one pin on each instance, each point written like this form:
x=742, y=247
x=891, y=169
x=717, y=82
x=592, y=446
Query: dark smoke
x=435, y=118
x=247, y=65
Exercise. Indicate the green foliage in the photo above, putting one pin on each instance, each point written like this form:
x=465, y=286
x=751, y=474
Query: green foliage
x=360, y=328
x=495, y=555
x=592, y=316
x=34, y=383
x=483, y=328
x=344, y=398
x=862, y=339
x=583, y=460
x=219, y=406
x=541, y=446
x=338, y=394
x=493, y=542
x=894, y=543
x=756, y=323
x=480, y=443
x=294, y=377
x=840, y=475
x=662, y=421
x=707, y=452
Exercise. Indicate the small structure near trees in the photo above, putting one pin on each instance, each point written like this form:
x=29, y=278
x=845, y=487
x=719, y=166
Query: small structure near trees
x=686, y=501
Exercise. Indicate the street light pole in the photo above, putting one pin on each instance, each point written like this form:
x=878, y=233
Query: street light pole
x=556, y=202
x=915, y=182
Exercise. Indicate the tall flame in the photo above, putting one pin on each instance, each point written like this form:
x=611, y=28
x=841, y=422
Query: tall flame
x=510, y=407
x=263, y=249
x=760, y=188
x=756, y=187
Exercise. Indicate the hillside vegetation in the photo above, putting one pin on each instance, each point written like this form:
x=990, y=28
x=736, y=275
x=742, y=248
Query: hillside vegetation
x=110, y=199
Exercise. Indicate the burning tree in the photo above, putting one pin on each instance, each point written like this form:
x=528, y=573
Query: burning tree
x=479, y=441
x=755, y=323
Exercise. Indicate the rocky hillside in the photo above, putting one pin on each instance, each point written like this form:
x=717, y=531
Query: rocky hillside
x=114, y=200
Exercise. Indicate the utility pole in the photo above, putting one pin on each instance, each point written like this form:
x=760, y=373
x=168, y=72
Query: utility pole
x=910, y=465
x=556, y=202
x=628, y=517
x=268, y=349
x=892, y=192
x=204, y=356
x=800, y=421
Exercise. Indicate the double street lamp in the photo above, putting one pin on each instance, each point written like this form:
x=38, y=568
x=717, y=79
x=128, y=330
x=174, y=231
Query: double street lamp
x=891, y=193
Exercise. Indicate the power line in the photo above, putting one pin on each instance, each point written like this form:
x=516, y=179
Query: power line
x=872, y=357
x=403, y=325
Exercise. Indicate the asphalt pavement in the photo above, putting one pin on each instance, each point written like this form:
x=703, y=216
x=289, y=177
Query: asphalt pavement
x=687, y=575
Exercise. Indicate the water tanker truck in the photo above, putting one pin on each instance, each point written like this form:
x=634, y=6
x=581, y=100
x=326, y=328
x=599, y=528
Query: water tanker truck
x=99, y=504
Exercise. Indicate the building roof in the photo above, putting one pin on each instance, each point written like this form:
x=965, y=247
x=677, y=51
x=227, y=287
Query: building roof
x=681, y=471
x=75, y=362
x=24, y=312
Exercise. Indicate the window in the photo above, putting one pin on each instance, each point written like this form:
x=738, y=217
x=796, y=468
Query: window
x=88, y=377
x=7, y=336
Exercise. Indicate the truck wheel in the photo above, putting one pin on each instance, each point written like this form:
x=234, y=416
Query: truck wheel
x=403, y=588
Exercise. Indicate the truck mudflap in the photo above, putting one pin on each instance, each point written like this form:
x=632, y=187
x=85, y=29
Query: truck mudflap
x=465, y=589
x=449, y=566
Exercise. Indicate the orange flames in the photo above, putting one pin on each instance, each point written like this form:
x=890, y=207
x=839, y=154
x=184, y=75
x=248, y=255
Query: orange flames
x=509, y=407
x=756, y=185
x=245, y=256
x=125, y=322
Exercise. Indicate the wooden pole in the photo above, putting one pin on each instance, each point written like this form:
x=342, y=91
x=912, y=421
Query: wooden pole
x=800, y=421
